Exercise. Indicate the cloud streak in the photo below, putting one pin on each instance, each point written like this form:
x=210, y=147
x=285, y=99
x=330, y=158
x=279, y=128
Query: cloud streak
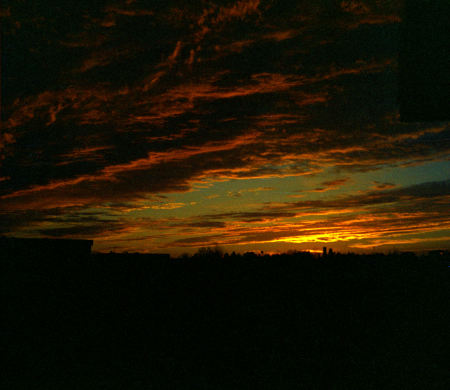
x=134, y=101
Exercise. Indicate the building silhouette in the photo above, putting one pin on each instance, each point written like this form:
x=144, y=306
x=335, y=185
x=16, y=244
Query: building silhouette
x=41, y=253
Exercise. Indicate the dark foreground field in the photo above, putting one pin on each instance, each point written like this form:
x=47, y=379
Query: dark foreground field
x=281, y=322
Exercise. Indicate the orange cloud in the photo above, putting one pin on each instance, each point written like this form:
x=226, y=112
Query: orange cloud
x=370, y=13
x=43, y=196
x=331, y=185
x=382, y=186
x=282, y=35
x=84, y=154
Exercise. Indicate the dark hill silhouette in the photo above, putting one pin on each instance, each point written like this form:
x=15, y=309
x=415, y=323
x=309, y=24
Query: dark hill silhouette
x=220, y=321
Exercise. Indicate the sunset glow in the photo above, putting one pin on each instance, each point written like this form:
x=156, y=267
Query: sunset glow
x=252, y=125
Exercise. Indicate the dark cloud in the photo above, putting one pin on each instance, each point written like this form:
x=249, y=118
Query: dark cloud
x=195, y=241
x=60, y=222
x=207, y=224
x=115, y=103
x=251, y=216
x=383, y=186
x=331, y=184
x=80, y=230
x=424, y=191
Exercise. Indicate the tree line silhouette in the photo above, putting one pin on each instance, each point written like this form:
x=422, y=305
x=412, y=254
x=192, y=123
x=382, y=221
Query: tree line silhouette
x=215, y=320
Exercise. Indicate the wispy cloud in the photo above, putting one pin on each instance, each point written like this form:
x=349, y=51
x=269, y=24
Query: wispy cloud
x=331, y=184
x=134, y=101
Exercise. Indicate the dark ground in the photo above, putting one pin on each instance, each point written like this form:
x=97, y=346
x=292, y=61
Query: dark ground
x=280, y=322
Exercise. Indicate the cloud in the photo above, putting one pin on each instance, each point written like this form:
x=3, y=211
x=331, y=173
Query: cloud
x=239, y=10
x=117, y=103
x=370, y=12
x=363, y=221
x=167, y=206
x=424, y=191
x=382, y=186
x=238, y=194
x=5, y=140
x=200, y=224
x=331, y=185
x=251, y=216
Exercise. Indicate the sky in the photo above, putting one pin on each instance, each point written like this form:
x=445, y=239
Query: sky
x=252, y=125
